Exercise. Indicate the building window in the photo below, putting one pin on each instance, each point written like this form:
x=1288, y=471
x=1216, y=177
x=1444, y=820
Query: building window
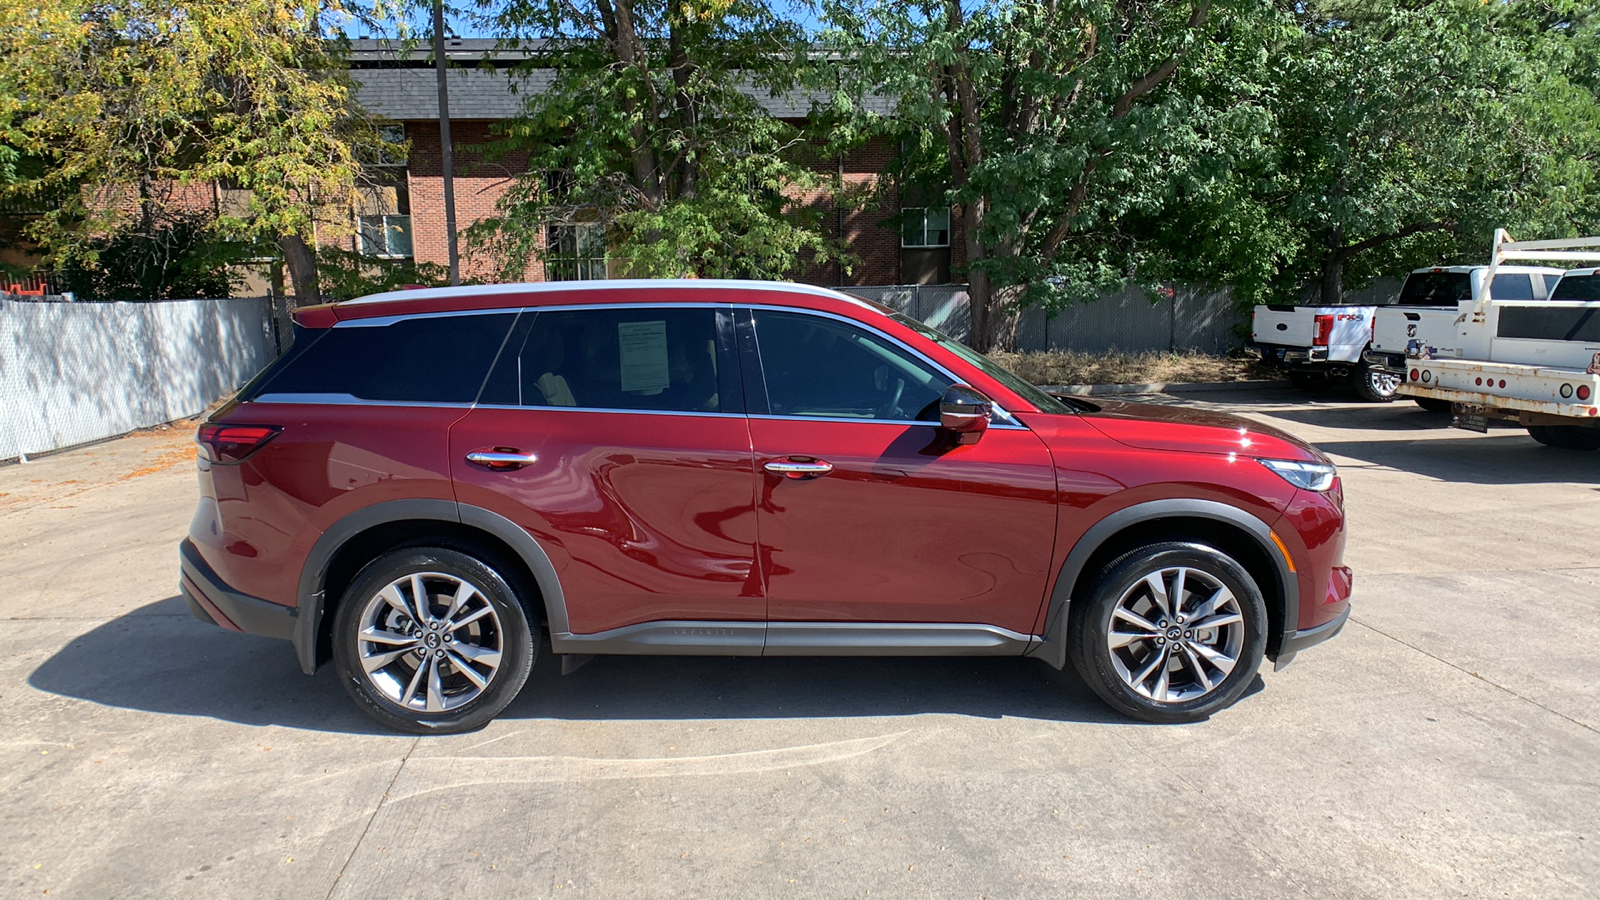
x=925, y=227
x=575, y=252
x=386, y=236
x=392, y=148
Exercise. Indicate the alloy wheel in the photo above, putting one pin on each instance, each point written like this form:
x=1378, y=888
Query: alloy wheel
x=430, y=642
x=1176, y=634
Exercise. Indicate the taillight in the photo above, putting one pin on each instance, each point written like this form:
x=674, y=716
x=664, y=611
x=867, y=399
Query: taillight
x=1324, y=331
x=232, y=443
x=1583, y=392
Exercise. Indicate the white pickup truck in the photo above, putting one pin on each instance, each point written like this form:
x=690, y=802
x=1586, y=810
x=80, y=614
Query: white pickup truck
x=1423, y=322
x=1316, y=344
x=1534, y=362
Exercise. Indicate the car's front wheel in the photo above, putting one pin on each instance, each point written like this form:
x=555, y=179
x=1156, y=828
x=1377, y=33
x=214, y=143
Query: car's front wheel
x=1170, y=632
x=432, y=640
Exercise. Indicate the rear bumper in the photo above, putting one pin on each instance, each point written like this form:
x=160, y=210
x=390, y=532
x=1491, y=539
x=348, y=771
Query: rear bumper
x=215, y=602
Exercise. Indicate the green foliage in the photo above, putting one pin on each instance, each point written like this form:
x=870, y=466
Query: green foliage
x=345, y=274
x=175, y=260
x=1406, y=134
x=651, y=129
x=1261, y=144
x=141, y=109
x=1070, y=128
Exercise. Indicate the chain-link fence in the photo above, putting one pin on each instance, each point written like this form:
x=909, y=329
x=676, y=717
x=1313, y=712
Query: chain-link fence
x=72, y=373
x=940, y=306
x=1125, y=320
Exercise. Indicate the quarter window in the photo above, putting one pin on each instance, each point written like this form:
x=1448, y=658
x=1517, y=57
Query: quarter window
x=633, y=358
x=428, y=359
x=815, y=366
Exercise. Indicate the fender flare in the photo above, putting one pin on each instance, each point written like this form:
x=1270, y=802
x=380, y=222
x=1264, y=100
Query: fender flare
x=1053, y=649
x=308, y=622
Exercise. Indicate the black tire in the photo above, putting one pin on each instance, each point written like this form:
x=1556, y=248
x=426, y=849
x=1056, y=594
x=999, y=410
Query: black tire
x=1566, y=437
x=1433, y=405
x=1103, y=668
x=1375, y=385
x=1310, y=382
x=493, y=620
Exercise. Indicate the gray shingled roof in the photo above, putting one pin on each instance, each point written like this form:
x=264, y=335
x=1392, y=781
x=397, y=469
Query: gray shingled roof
x=401, y=84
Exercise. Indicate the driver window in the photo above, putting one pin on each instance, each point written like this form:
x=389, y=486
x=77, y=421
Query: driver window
x=822, y=367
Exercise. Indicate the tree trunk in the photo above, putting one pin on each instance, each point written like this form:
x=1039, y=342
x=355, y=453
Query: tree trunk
x=979, y=298
x=302, y=266
x=1333, y=277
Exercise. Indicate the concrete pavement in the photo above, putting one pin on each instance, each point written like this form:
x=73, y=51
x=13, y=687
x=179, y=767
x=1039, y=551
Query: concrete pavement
x=1444, y=745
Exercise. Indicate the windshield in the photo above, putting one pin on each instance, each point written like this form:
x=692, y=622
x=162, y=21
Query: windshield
x=1577, y=287
x=1044, y=402
x=1436, y=289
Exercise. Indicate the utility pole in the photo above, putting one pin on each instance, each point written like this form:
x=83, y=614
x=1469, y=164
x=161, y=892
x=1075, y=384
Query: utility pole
x=447, y=152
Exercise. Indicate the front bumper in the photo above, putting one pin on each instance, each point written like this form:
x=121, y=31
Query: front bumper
x=1310, y=637
x=215, y=602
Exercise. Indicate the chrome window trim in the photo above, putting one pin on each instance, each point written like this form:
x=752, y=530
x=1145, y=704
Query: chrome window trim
x=382, y=321
x=639, y=284
x=1010, y=421
x=604, y=409
x=352, y=400
x=1004, y=426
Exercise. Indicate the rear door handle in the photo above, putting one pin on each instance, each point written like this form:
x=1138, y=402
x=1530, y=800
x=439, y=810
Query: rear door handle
x=798, y=467
x=501, y=458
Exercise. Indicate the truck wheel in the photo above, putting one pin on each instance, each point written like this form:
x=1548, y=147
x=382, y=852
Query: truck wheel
x=1433, y=405
x=1566, y=437
x=1310, y=382
x=1375, y=385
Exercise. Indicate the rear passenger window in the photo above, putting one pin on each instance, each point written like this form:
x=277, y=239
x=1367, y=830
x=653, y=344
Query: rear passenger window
x=633, y=358
x=428, y=359
x=1512, y=286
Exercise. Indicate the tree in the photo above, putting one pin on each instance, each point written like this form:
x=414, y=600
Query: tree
x=1407, y=134
x=1060, y=125
x=141, y=111
x=651, y=129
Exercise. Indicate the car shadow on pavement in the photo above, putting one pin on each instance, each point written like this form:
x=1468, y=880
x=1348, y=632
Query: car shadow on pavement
x=1477, y=459
x=158, y=659
x=1397, y=416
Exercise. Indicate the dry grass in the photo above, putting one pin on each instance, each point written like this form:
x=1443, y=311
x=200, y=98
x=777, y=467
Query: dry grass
x=1116, y=367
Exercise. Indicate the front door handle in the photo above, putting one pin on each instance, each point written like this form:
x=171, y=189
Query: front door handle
x=501, y=458
x=798, y=467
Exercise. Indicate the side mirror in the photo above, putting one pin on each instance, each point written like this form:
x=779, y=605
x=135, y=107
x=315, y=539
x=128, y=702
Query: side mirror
x=965, y=412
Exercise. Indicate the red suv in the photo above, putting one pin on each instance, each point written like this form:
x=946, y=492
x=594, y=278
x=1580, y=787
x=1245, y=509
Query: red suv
x=429, y=477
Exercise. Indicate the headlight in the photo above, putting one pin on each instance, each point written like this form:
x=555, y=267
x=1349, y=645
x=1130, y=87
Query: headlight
x=1308, y=476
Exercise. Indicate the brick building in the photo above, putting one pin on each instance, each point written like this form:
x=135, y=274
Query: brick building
x=405, y=219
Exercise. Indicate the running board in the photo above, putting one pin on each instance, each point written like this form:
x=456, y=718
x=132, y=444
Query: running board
x=688, y=638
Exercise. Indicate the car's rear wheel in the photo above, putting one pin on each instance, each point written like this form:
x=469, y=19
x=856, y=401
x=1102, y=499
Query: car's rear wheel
x=1433, y=405
x=432, y=640
x=1171, y=632
x=1566, y=437
x=1374, y=385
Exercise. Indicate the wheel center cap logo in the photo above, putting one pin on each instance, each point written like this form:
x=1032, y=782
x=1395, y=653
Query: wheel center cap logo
x=1174, y=633
x=431, y=640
